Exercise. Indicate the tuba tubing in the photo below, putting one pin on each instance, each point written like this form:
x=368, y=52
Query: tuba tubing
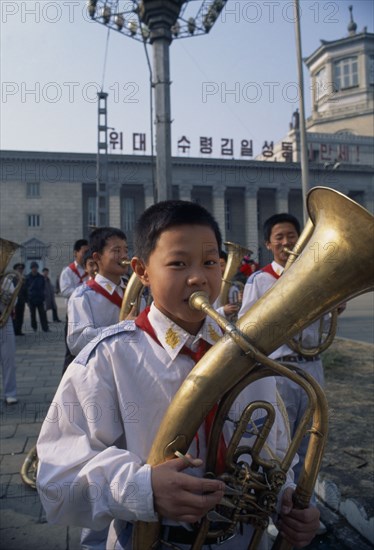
x=319, y=279
x=235, y=252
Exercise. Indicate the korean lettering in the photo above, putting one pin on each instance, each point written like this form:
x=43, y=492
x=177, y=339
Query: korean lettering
x=184, y=144
x=267, y=149
x=227, y=146
x=287, y=150
x=343, y=152
x=246, y=148
x=326, y=151
x=138, y=142
x=206, y=145
x=115, y=139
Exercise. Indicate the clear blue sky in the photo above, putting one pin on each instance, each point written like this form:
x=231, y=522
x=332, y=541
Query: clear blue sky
x=52, y=61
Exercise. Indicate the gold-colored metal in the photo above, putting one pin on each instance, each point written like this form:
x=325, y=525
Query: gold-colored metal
x=325, y=335
x=8, y=290
x=235, y=254
x=131, y=298
x=29, y=468
x=320, y=280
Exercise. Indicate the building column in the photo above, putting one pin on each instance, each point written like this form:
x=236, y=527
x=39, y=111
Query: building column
x=219, y=208
x=148, y=195
x=251, y=221
x=281, y=199
x=185, y=191
x=114, y=214
x=369, y=199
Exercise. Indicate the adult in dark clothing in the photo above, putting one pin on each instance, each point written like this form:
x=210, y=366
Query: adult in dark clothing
x=35, y=297
x=49, y=296
x=19, y=309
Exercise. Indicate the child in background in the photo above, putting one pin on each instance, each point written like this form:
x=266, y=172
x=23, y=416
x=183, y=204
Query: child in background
x=97, y=303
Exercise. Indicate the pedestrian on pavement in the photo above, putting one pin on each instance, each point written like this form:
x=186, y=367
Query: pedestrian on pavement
x=19, y=308
x=49, y=296
x=35, y=297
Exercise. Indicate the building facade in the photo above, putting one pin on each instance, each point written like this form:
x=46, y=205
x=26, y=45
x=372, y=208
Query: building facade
x=47, y=200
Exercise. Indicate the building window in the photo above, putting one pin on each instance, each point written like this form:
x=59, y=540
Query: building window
x=34, y=220
x=228, y=214
x=346, y=73
x=91, y=211
x=128, y=214
x=371, y=70
x=33, y=189
x=321, y=84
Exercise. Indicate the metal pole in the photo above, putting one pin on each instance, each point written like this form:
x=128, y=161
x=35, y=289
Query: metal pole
x=102, y=161
x=303, y=138
x=163, y=118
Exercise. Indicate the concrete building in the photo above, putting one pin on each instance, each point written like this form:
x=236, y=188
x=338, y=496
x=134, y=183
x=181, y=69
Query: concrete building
x=48, y=200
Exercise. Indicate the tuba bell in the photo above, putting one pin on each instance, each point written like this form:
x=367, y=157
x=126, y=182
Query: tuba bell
x=319, y=279
x=325, y=335
x=8, y=290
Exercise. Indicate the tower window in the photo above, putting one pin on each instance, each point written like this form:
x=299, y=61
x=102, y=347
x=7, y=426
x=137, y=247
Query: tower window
x=321, y=83
x=371, y=69
x=346, y=73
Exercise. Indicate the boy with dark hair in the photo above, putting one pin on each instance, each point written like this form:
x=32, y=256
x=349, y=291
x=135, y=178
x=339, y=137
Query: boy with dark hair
x=121, y=388
x=281, y=232
x=97, y=303
x=284, y=217
x=74, y=274
x=89, y=264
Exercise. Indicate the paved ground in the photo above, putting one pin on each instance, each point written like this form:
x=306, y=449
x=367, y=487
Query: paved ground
x=357, y=321
x=347, y=473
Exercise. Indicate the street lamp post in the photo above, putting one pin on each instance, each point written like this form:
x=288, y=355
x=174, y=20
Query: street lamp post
x=158, y=22
x=160, y=16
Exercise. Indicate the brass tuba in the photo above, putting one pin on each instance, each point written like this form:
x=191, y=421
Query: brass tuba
x=131, y=298
x=8, y=290
x=317, y=282
x=235, y=253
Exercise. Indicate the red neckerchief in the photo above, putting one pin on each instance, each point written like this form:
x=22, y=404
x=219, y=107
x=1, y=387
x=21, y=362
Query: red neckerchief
x=74, y=269
x=114, y=298
x=269, y=269
x=143, y=323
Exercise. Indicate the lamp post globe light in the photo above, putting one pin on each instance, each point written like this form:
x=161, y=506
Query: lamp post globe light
x=158, y=22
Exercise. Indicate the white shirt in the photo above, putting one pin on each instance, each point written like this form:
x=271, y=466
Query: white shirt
x=95, y=440
x=256, y=286
x=89, y=312
x=69, y=280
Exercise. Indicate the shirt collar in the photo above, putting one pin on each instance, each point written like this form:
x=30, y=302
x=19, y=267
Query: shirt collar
x=172, y=337
x=277, y=268
x=107, y=285
x=80, y=269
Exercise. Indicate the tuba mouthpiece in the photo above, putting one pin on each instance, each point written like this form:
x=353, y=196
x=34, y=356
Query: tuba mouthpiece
x=199, y=300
